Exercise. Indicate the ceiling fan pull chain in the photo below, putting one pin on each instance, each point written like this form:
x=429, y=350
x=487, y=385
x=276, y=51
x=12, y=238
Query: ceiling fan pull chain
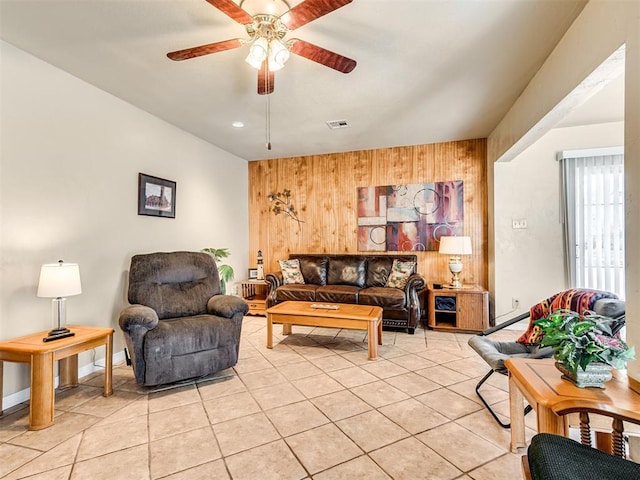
x=268, y=114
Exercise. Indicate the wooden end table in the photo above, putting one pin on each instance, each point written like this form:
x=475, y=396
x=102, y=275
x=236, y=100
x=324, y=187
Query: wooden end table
x=540, y=382
x=358, y=317
x=254, y=292
x=42, y=355
x=464, y=309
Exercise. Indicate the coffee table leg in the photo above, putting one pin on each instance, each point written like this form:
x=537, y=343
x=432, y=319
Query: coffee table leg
x=380, y=331
x=42, y=395
x=372, y=339
x=269, y=331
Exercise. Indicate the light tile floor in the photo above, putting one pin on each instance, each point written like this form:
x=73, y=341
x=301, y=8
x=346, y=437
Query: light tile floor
x=311, y=408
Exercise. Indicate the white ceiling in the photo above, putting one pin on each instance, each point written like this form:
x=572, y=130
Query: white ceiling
x=428, y=70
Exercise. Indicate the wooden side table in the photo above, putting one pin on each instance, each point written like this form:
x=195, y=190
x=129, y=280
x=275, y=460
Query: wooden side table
x=463, y=309
x=540, y=382
x=42, y=355
x=254, y=292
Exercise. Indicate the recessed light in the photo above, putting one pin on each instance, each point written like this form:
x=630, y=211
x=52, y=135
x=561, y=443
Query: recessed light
x=237, y=124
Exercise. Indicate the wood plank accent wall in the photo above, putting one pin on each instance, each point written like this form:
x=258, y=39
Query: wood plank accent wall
x=323, y=191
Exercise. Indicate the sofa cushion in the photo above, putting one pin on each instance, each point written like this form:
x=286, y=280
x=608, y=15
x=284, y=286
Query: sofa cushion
x=189, y=347
x=175, y=284
x=346, y=270
x=378, y=269
x=313, y=267
x=337, y=294
x=400, y=273
x=382, y=297
x=185, y=335
x=296, y=292
x=291, y=273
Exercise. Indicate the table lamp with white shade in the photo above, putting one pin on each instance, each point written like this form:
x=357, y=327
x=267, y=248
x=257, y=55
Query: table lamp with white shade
x=57, y=281
x=455, y=246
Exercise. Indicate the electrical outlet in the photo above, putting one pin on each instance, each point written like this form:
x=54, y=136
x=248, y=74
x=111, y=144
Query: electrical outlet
x=519, y=223
x=515, y=303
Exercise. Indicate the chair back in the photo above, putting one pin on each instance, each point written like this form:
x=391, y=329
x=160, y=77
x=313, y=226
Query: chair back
x=174, y=284
x=551, y=457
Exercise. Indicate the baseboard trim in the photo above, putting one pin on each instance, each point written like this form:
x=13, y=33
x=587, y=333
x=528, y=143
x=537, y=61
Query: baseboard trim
x=24, y=395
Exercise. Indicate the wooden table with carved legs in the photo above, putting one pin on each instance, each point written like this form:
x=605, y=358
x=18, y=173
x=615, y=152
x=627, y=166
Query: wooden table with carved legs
x=42, y=355
x=541, y=384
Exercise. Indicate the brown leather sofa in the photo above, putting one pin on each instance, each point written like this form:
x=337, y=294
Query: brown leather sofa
x=355, y=279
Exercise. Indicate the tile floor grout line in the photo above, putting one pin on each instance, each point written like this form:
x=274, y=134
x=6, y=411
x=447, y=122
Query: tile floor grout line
x=400, y=355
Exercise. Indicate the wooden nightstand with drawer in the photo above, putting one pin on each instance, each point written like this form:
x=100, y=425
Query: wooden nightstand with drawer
x=254, y=292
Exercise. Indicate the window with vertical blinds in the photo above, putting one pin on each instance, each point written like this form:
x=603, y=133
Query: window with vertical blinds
x=593, y=207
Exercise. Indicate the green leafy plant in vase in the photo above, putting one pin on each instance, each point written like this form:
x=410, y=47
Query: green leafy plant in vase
x=224, y=271
x=586, y=347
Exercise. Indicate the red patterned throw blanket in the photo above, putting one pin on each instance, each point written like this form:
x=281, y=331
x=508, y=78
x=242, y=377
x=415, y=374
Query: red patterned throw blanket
x=576, y=299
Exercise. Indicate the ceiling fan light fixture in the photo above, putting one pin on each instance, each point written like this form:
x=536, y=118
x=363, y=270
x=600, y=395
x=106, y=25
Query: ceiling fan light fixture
x=278, y=55
x=253, y=62
x=257, y=52
x=268, y=49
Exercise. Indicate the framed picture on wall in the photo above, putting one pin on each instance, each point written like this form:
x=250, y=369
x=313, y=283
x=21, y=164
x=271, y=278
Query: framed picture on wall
x=156, y=196
x=253, y=273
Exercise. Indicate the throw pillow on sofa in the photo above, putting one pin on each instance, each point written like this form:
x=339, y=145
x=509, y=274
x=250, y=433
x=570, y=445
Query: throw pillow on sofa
x=291, y=273
x=400, y=273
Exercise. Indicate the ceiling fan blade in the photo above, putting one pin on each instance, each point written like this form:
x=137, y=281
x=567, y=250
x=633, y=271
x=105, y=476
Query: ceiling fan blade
x=232, y=10
x=309, y=10
x=322, y=56
x=266, y=79
x=204, y=49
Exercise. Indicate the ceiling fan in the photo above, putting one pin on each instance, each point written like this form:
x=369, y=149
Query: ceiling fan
x=268, y=50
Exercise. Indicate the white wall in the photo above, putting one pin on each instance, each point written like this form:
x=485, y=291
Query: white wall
x=70, y=157
x=600, y=29
x=529, y=262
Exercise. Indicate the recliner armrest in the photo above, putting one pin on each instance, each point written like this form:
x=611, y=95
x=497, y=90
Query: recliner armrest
x=227, y=306
x=138, y=316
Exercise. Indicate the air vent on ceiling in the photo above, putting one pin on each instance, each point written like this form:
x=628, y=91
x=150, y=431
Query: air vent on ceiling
x=334, y=124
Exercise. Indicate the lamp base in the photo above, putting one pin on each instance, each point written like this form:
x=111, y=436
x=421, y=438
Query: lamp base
x=58, y=333
x=455, y=267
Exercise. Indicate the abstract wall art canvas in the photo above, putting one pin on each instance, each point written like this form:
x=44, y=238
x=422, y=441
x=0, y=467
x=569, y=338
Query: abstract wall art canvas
x=409, y=217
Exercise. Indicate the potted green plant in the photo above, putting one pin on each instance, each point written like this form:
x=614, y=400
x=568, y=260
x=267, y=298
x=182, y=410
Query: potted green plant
x=586, y=347
x=225, y=271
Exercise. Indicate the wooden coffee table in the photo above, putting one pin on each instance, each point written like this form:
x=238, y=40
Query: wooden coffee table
x=358, y=317
x=42, y=355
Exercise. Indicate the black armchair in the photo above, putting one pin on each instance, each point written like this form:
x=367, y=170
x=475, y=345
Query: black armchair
x=179, y=326
x=552, y=457
x=495, y=352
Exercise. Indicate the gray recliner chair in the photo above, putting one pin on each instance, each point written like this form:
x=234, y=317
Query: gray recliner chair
x=496, y=352
x=178, y=325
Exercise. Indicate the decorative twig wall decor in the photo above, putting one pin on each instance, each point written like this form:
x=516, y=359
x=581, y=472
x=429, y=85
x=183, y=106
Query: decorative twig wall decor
x=281, y=203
